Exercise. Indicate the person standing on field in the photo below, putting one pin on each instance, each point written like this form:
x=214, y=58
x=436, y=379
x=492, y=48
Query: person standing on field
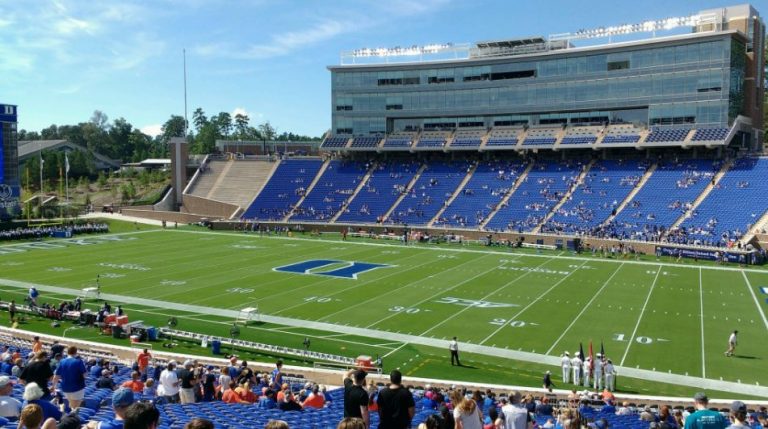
x=565, y=363
x=453, y=346
x=732, y=341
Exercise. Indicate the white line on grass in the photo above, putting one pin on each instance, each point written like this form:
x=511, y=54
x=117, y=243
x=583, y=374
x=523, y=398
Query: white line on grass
x=640, y=318
x=416, y=304
x=497, y=330
x=701, y=302
x=584, y=309
x=511, y=282
x=395, y=350
x=757, y=303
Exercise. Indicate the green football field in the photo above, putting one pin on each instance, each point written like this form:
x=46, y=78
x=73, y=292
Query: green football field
x=654, y=315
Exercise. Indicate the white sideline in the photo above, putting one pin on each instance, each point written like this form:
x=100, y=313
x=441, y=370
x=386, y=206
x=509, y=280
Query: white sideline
x=727, y=386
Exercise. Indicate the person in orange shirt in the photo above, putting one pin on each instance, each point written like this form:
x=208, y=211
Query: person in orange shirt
x=245, y=392
x=281, y=394
x=134, y=383
x=315, y=399
x=143, y=360
x=37, y=345
x=230, y=396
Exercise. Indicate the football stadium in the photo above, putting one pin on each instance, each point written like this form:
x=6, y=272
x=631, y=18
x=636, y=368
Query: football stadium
x=574, y=226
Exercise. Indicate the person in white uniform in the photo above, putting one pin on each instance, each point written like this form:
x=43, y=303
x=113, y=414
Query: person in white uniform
x=586, y=370
x=566, y=365
x=576, y=366
x=732, y=341
x=610, y=375
x=598, y=375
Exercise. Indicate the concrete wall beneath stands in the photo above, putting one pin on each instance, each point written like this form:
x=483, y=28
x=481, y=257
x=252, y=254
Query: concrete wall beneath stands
x=208, y=208
x=161, y=215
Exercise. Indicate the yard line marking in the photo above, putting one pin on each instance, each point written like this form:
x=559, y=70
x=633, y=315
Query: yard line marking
x=757, y=303
x=513, y=281
x=701, y=302
x=482, y=273
x=395, y=350
x=640, y=318
x=497, y=330
x=584, y=309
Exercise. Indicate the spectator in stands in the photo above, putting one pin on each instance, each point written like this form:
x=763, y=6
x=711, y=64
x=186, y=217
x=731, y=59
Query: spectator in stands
x=32, y=418
x=57, y=348
x=515, y=416
x=544, y=408
x=276, y=424
x=38, y=371
x=431, y=422
x=96, y=369
x=143, y=360
x=134, y=383
x=355, y=396
x=246, y=393
x=704, y=417
x=245, y=374
x=149, y=391
x=647, y=415
x=352, y=423
x=277, y=373
x=230, y=396
x=141, y=415
x=267, y=401
x=18, y=367
x=315, y=399
x=37, y=345
x=33, y=394
x=665, y=416
x=446, y=418
x=9, y=407
x=738, y=415
x=71, y=372
x=493, y=421
x=396, y=405
x=121, y=400
x=169, y=383
x=7, y=365
x=188, y=381
x=106, y=381
x=289, y=403
x=199, y=423
x=465, y=411
x=208, y=381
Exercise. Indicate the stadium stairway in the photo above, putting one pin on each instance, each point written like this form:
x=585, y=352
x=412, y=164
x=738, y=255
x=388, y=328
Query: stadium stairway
x=755, y=234
x=578, y=183
x=205, y=181
x=456, y=192
x=221, y=179
x=311, y=186
x=689, y=138
x=511, y=191
x=484, y=141
x=361, y=185
x=648, y=173
x=559, y=139
x=712, y=184
x=404, y=194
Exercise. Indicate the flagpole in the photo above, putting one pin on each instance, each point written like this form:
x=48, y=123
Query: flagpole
x=66, y=176
x=41, y=175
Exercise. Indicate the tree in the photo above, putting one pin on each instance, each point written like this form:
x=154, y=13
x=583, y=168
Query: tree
x=199, y=119
x=241, y=126
x=173, y=127
x=224, y=123
x=267, y=131
x=100, y=120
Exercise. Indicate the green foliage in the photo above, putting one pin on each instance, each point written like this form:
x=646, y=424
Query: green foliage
x=102, y=180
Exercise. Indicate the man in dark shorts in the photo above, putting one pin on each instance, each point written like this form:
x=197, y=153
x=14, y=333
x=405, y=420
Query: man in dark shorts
x=355, y=396
x=396, y=406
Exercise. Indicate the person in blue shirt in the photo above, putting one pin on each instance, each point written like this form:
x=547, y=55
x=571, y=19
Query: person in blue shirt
x=7, y=366
x=71, y=372
x=267, y=401
x=277, y=373
x=32, y=395
x=96, y=369
x=121, y=400
x=704, y=418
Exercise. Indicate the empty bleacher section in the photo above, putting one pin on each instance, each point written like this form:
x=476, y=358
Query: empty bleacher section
x=433, y=139
x=503, y=138
x=666, y=195
x=480, y=196
x=467, y=139
x=241, y=182
x=604, y=187
x=543, y=187
x=386, y=183
x=622, y=134
x=333, y=188
x=732, y=207
x=542, y=136
x=368, y=142
x=285, y=188
x=575, y=136
x=428, y=195
x=335, y=142
x=401, y=140
x=667, y=135
x=207, y=178
x=710, y=135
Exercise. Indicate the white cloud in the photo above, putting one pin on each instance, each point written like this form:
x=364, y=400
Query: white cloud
x=240, y=111
x=153, y=130
x=285, y=43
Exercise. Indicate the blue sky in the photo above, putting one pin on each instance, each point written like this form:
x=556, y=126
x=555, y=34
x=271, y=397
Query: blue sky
x=61, y=59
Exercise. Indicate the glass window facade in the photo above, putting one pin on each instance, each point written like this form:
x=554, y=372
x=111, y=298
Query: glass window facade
x=692, y=80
